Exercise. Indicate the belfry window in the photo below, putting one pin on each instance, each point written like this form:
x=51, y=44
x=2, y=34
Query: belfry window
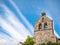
x=40, y=26
x=42, y=19
x=45, y=26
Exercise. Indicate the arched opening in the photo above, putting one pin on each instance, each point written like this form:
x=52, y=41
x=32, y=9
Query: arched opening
x=40, y=26
x=42, y=19
x=45, y=26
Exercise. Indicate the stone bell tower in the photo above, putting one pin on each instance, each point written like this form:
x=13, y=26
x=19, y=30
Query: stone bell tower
x=43, y=31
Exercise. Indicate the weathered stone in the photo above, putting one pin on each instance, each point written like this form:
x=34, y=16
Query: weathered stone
x=45, y=33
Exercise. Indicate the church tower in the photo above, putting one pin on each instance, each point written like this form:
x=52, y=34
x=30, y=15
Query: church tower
x=43, y=31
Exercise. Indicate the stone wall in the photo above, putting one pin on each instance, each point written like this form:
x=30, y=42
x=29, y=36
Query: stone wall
x=44, y=36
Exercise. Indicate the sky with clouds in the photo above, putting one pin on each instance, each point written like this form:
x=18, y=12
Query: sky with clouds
x=18, y=17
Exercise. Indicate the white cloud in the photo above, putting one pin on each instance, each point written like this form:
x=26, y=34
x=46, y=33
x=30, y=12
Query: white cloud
x=13, y=26
x=6, y=40
x=4, y=36
x=16, y=23
x=22, y=17
x=56, y=34
x=8, y=28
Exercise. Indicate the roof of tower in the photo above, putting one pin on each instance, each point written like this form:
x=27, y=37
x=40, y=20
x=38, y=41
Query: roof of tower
x=43, y=13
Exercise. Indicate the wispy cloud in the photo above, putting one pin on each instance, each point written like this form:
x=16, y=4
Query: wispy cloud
x=8, y=42
x=13, y=26
x=5, y=40
x=56, y=34
x=8, y=28
x=4, y=36
x=16, y=23
x=22, y=17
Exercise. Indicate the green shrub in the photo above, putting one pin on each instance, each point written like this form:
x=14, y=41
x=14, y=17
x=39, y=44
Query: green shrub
x=29, y=41
x=50, y=43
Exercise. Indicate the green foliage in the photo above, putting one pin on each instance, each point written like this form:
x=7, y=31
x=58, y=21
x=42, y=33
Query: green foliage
x=50, y=43
x=29, y=41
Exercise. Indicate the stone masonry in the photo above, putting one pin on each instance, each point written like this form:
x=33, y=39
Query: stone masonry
x=43, y=31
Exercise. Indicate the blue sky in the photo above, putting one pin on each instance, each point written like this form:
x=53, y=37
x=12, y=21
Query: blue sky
x=18, y=17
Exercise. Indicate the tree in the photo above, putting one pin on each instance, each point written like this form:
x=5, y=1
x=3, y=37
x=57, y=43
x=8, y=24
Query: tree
x=29, y=41
x=49, y=43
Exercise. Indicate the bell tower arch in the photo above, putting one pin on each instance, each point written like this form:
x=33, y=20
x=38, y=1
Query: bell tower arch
x=44, y=23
